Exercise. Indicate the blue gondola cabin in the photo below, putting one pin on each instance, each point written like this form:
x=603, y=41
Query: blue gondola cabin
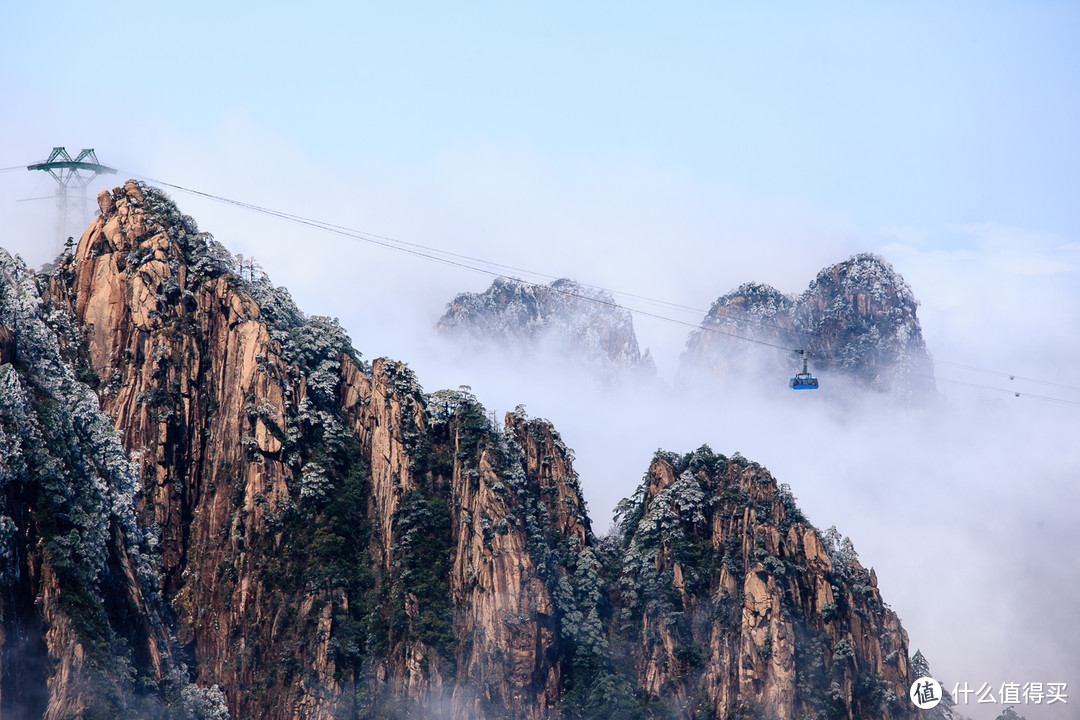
x=803, y=382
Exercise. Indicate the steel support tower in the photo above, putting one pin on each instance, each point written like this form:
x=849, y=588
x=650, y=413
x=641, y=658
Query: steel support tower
x=71, y=174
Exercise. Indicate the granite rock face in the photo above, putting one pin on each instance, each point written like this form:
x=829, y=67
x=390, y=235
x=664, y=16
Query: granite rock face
x=736, y=604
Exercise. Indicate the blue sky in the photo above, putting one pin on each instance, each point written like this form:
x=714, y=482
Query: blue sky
x=914, y=114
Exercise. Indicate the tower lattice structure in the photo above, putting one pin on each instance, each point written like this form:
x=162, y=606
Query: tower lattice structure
x=71, y=175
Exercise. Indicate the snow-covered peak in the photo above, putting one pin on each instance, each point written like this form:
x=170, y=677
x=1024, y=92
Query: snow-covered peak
x=857, y=318
x=580, y=322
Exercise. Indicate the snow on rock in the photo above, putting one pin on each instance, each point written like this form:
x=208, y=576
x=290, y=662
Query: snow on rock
x=577, y=321
x=858, y=318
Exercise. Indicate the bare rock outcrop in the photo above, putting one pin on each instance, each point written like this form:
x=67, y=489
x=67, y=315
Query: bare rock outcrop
x=7, y=345
x=202, y=398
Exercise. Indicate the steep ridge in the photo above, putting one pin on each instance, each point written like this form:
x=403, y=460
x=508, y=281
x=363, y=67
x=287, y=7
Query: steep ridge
x=198, y=390
x=267, y=450
x=858, y=319
x=582, y=324
x=327, y=540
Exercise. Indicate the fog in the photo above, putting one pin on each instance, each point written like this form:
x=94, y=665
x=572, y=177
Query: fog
x=965, y=505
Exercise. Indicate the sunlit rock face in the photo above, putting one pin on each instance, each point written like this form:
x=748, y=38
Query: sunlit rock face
x=583, y=325
x=328, y=538
x=213, y=507
x=858, y=320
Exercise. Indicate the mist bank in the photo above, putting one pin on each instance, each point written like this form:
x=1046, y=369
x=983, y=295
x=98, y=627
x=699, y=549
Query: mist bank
x=962, y=503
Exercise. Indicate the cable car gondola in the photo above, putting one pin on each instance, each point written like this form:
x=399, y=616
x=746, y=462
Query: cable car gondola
x=803, y=380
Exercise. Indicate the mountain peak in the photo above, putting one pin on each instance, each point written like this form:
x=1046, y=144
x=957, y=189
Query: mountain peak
x=575, y=320
x=857, y=318
x=860, y=317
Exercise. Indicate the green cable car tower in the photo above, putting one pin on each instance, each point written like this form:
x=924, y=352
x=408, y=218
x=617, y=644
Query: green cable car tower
x=71, y=174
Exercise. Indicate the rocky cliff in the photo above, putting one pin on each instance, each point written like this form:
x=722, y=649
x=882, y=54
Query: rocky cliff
x=256, y=509
x=327, y=543
x=858, y=319
x=581, y=324
x=732, y=603
x=83, y=625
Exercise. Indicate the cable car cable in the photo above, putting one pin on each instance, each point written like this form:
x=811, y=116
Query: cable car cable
x=418, y=250
x=350, y=232
x=427, y=252
x=1011, y=376
x=1003, y=390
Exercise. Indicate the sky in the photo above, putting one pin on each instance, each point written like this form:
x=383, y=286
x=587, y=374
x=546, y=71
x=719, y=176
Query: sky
x=673, y=152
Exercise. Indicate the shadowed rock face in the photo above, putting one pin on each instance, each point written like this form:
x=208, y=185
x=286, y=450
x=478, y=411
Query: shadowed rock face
x=857, y=319
x=582, y=324
x=80, y=613
x=7, y=346
x=320, y=538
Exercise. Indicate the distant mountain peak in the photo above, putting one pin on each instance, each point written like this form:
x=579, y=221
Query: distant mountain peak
x=866, y=281
x=857, y=318
x=575, y=320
